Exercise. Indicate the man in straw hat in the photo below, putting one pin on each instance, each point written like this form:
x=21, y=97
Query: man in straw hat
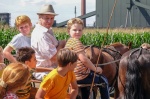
x=44, y=42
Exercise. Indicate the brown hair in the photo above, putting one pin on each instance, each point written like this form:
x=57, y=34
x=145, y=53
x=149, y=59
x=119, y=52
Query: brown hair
x=14, y=76
x=21, y=20
x=24, y=54
x=73, y=21
x=65, y=56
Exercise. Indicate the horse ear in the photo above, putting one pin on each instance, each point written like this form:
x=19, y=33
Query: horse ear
x=129, y=45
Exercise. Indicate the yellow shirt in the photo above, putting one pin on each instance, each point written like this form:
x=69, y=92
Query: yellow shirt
x=56, y=86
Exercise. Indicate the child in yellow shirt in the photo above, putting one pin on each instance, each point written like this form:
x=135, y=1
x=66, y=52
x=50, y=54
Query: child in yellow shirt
x=55, y=85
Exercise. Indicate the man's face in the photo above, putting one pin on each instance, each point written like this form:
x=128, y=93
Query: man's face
x=47, y=20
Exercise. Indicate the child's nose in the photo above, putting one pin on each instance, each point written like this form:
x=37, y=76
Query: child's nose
x=78, y=31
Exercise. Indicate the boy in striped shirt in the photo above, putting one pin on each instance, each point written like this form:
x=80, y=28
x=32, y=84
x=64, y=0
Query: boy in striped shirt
x=85, y=69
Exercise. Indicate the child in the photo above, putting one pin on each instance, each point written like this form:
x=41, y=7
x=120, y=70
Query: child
x=24, y=25
x=2, y=65
x=56, y=83
x=14, y=77
x=26, y=55
x=85, y=69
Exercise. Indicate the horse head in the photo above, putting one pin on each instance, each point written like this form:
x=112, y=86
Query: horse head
x=121, y=48
x=92, y=53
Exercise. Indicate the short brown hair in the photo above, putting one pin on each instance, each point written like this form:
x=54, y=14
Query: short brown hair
x=65, y=56
x=21, y=20
x=24, y=54
x=73, y=21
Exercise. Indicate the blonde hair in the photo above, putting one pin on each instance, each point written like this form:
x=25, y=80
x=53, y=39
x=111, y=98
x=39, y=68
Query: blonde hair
x=14, y=76
x=73, y=21
x=21, y=20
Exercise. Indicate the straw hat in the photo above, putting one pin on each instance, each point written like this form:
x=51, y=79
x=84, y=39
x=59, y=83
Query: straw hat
x=47, y=9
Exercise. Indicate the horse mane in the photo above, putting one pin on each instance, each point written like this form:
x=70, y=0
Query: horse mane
x=115, y=44
x=137, y=60
x=120, y=44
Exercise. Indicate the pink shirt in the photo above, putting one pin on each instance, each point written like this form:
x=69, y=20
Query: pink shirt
x=10, y=95
x=44, y=43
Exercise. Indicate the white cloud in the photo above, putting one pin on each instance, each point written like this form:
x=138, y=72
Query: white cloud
x=2, y=4
x=36, y=2
x=65, y=8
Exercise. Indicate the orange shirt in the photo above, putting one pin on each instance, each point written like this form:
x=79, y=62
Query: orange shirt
x=56, y=86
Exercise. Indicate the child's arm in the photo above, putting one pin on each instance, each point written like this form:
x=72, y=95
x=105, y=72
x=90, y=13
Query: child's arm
x=74, y=90
x=7, y=54
x=88, y=63
x=40, y=94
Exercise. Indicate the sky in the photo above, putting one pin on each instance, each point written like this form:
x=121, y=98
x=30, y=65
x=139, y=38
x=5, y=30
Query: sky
x=64, y=8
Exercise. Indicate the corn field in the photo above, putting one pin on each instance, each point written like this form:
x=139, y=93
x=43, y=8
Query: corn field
x=91, y=36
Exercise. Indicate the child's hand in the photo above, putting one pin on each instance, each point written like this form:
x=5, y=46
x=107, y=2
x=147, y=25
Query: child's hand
x=99, y=70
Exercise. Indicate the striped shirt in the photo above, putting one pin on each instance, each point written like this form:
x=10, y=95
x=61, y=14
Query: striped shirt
x=80, y=70
x=25, y=93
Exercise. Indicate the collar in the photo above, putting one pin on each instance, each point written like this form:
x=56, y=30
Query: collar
x=42, y=28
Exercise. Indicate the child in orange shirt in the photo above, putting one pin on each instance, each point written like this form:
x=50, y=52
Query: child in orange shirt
x=56, y=83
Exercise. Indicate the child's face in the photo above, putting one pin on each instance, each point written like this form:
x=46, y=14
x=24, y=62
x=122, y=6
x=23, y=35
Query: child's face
x=47, y=20
x=76, y=31
x=25, y=28
x=32, y=62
